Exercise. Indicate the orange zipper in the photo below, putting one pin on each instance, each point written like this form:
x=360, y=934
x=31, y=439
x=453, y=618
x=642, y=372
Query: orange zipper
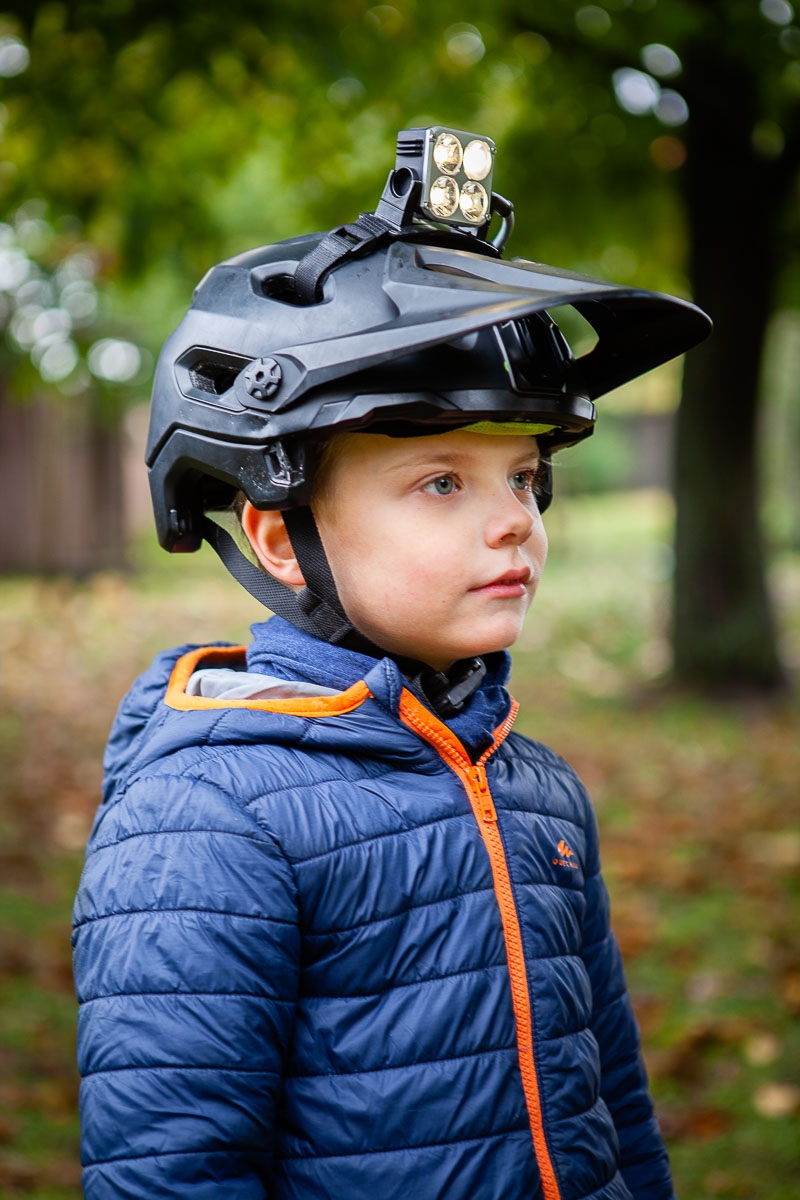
x=476, y=783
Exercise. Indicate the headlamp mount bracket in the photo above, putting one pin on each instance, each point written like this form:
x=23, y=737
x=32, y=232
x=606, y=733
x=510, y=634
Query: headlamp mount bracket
x=396, y=216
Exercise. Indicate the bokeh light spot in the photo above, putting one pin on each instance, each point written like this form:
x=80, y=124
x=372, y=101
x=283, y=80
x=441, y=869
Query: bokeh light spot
x=51, y=321
x=345, y=91
x=59, y=360
x=635, y=91
x=790, y=41
x=661, y=60
x=777, y=11
x=592, y=21
x=14, y=57
x=15, y=268
x=668, y=153
x=79, y=298
x=464, y=45
x=385, y=18
x=114, y=360
x=671, y=108
x=767, y=139
x=531, y=46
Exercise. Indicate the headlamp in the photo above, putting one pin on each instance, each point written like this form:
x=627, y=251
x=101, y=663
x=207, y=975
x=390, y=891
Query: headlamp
x=455, y=172
x=441, y=175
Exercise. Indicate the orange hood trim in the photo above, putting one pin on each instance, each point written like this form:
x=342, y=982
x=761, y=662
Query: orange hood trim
x=228, y=656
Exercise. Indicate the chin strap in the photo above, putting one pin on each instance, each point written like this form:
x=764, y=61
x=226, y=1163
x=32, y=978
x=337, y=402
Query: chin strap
x=258, y=583
x=317, y=610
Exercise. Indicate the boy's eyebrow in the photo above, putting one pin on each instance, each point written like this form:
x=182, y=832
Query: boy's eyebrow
x=454, y=458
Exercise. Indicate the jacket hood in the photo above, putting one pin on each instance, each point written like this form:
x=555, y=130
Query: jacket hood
x=160, y=717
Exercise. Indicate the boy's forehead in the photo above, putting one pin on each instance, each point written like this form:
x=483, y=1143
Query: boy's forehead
x=449, y=446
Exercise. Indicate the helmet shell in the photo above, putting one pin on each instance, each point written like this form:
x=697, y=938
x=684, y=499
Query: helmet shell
x=420, y=331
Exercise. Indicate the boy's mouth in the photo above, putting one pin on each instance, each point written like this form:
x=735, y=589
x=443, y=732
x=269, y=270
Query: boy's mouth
x=510, y=583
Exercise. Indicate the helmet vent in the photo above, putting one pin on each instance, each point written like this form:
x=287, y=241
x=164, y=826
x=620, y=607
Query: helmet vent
x=282, y=287
x=212, y=377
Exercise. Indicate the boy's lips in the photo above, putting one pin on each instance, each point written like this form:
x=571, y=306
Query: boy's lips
x=510, y=583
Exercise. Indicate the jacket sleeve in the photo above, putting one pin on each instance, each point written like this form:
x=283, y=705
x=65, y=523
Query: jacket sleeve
x=624, y=1088
x=186, y=951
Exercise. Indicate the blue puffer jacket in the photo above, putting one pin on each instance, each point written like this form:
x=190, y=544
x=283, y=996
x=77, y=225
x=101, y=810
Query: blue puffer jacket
x=322, y=952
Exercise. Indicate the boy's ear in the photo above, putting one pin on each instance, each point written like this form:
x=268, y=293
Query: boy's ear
x=266, y=533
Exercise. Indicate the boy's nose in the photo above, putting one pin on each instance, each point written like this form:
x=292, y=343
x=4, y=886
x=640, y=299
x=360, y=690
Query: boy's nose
x=510, y=521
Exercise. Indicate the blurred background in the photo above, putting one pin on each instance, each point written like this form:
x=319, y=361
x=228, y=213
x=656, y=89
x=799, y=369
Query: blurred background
x=650, y=143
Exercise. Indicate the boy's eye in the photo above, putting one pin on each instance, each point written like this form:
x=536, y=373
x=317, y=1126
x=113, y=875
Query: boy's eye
x=443, y=486
x=524, y=481
x=532, y=480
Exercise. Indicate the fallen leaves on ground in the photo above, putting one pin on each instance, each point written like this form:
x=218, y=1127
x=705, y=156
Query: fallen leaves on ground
x=699, y=810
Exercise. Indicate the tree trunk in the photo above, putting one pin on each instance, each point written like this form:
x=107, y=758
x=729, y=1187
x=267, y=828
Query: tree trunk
x=61, y=487
x=724, y=633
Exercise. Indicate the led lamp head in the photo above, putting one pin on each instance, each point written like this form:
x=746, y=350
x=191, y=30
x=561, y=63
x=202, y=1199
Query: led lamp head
x=455, y=170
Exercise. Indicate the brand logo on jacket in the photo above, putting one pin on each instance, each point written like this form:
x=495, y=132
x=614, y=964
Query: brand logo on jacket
x=566, y=855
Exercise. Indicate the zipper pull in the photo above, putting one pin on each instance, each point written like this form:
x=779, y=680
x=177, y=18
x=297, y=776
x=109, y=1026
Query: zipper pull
x=481, y=788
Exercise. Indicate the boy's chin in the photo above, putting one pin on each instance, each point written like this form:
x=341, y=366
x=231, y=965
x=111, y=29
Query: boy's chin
x=477, y=649
x=441, y=653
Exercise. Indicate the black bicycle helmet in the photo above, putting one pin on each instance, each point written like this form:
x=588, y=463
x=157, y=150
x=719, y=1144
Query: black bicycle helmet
x=406, y=321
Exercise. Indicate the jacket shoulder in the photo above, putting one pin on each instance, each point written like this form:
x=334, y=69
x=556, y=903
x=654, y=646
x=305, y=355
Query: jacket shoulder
x=137, y=710
x=537, y=754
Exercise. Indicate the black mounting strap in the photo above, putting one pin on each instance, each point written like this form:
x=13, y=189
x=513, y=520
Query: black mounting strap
x=345, y=242
x=394, y=214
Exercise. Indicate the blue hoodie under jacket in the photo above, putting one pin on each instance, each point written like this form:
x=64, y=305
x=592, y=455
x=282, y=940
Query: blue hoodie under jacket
x=328, y=946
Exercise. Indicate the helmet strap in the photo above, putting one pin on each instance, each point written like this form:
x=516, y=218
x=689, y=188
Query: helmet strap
x=445, y=691
x=263, y=587
x=317, y=610
x=319, y=600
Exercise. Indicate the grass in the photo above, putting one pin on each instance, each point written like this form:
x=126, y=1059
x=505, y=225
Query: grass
x=698, y=808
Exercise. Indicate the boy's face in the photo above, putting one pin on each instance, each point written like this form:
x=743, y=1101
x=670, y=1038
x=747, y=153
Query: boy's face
x=435, y=543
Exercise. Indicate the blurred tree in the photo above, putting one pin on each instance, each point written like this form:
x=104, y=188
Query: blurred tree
x=743, y=158
x=734, y=154
x=176, y=139
x=112, y=128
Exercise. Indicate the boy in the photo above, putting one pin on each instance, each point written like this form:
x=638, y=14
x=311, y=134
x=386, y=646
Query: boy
x=341, y=933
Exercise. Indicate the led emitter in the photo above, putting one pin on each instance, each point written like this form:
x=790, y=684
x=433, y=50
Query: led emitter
x=474, y=203
x=477, y=159
x=444, y=197
x=447, y=153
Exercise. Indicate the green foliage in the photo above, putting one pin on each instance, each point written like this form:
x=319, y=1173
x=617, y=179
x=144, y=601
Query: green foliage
x=177, y=141
x=657, y=144
x=51, y=315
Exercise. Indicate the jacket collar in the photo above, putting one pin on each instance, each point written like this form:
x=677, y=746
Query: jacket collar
x=281, y=649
